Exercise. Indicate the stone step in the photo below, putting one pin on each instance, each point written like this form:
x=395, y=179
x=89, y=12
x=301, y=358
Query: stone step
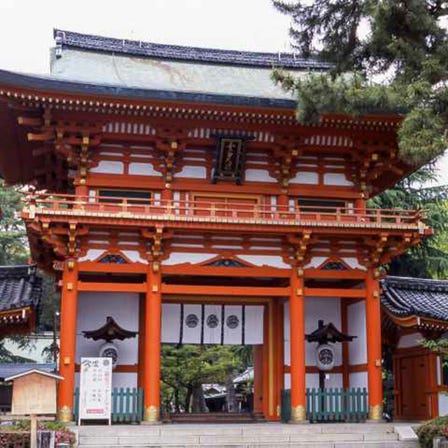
x=376, y=444
x=233, y=429
x=247, y=436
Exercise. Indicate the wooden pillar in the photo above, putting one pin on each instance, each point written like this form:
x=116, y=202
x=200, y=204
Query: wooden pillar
x=258, y=377
x=373, y=327
x=67, y=352
x=279, y=355
x=152, y=344
x=345, y=352
x=297, y=341
x=141, y=340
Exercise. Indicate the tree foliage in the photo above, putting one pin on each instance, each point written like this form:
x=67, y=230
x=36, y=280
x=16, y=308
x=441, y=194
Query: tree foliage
x=389, y=56
x=405, y=46
x=13, y=241
x=185, y=369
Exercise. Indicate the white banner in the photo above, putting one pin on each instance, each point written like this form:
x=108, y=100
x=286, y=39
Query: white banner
x=212, y=324
x=95, y=392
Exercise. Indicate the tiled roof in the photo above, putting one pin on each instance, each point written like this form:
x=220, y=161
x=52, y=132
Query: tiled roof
x=186, y=53
x=403, y=297
x=10, y=369
x=20, y=286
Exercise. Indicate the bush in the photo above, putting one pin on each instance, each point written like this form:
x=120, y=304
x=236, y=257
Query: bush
x=14, y=439
x=430, y=429
x=17, y=435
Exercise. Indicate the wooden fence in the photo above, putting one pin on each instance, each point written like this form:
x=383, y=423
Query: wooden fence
x=330, y=405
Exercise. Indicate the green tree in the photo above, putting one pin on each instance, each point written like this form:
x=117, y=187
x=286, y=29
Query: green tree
x=185, y=369
x=389, y=56
x=13, y=241
x=404, y=44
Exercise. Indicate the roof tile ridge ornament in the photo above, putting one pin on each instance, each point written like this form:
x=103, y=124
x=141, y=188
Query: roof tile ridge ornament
x=59, y=38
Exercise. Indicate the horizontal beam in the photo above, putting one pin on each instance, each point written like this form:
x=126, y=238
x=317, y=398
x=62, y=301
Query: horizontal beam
x=354, y=274
x=226, y=290
x=335, y=292
x=218, y=271
x=111, y=287
x=131, y=268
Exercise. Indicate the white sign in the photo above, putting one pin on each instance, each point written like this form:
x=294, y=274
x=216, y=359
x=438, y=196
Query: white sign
x=95, y=392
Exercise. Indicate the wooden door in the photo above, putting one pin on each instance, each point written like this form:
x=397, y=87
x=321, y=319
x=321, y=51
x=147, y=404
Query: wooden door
x=411, y=387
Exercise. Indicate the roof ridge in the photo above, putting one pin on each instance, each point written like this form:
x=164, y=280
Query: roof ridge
x=185, y=52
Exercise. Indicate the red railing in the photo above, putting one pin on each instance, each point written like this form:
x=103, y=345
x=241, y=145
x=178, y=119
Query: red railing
x=225, y=211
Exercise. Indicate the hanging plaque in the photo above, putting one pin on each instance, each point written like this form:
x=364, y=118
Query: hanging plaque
x=95, y=392
x=230, y=160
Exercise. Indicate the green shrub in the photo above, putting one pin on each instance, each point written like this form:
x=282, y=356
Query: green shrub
x=430, y=429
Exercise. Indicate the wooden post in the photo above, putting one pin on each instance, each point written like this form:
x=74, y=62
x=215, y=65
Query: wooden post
x=297, y=336
x=152, y=344
x=69, y=299
x=33, y=431
x=374, y=365
x=141, y=340
x=345, y=351
x=258, y=378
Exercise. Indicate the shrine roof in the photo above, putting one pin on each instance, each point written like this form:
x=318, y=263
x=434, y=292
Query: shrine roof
x=20, y=287
x=12, y=369
x=175, y=72
x=404, y=297
x=186, y=53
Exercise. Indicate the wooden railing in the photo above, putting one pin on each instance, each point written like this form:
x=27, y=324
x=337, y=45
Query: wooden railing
x=327, y=405
x=228, y=211
x=127, y=405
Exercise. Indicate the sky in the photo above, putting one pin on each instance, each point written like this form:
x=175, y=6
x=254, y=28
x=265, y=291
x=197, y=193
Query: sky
x=26, y=28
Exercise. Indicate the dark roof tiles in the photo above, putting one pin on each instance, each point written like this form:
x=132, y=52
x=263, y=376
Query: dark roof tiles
x=186, y=53
x=20, y=286
x=403, y=297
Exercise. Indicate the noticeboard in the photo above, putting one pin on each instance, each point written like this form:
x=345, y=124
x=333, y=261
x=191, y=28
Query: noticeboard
x=95, y=392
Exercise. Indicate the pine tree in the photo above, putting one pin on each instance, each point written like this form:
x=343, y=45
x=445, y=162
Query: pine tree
x=389, y=56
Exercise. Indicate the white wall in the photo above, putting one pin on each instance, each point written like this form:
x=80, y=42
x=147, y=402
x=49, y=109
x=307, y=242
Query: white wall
x=329, y=310
x=358, y=379
x=443, y=403
x=93, y=308
x=356, y=326
x=410, y=340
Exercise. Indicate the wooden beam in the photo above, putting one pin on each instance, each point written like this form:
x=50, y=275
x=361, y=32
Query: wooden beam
x=131, y=268
x=111, y=287
x=226, y=290
x=218, y=271
x=355, y=274
x=335, y=292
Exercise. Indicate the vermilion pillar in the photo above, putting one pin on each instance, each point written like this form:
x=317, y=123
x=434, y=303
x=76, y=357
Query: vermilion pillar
x=152, y=344
x=67, y=352
x=373, y=322
x=297, y=336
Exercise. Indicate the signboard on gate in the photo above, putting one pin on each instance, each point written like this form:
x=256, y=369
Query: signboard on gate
x=95, y=392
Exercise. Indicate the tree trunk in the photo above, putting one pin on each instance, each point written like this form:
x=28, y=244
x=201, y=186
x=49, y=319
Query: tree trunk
x=232, y=405
x=176, y=401
x=198, y=399
x=188, y=399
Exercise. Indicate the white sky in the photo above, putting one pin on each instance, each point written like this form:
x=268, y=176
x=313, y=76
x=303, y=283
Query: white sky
x=26, y=27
